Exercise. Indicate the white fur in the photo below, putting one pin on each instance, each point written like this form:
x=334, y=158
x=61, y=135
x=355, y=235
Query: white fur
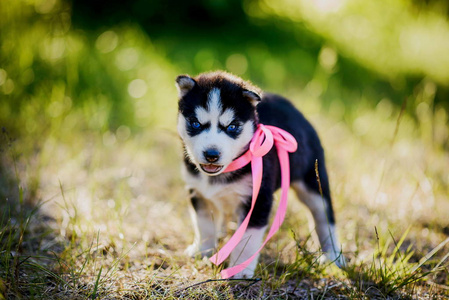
x=228, y=147
x=225, y=197
x=214, y=106
x=213, y=109
x=226, y=117
x=223, y=200
x=249, y=244
x=221, y=197
x=205, y=239
x=202, y=115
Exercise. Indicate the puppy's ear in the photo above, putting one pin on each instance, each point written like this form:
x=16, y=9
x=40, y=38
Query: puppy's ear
x=184, y=84
x=252, y=96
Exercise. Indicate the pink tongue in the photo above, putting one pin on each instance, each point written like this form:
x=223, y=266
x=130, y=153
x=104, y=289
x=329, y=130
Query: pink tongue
x=211, y=168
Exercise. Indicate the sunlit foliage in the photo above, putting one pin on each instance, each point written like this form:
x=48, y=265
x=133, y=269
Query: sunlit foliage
x=91, y=199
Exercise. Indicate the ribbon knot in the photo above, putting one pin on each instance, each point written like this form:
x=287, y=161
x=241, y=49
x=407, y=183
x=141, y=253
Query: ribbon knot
x=263, y=140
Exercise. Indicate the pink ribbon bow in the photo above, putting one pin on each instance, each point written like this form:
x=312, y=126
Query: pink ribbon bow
x=263, y=140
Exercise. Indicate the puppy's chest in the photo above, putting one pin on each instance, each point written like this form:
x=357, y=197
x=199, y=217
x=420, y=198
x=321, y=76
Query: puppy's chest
x=222, y=194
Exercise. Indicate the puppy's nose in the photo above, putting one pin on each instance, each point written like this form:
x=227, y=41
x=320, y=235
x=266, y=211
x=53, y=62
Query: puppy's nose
x=211, y=155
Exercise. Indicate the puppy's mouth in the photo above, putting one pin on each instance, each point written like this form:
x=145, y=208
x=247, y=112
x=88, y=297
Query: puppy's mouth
x=211, y=168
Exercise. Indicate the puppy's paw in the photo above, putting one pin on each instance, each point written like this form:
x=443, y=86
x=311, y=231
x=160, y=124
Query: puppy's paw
x=195, y=251
x=245, y=274
x=192, y=250
x=337, y=258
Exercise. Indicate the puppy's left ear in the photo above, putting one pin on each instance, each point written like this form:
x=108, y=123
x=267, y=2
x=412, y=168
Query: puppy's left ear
x=184, y=84
x=252, y=96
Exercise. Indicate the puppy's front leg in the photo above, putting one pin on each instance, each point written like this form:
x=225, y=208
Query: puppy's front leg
x=205, y=239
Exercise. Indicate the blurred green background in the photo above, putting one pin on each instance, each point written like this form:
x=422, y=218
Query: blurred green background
x=88, y=112
x=110, y=65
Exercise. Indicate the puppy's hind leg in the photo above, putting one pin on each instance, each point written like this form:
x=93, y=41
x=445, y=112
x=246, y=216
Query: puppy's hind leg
x=205, y=239
x=323, y=216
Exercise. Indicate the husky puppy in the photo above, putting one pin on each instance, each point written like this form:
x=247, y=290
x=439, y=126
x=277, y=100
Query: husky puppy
x=218, y=115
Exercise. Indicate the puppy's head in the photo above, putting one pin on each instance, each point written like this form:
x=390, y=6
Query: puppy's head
x=217, y=118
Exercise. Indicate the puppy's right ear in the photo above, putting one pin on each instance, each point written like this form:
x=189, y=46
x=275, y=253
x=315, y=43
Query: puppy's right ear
x=184, y=84
x=252, y=96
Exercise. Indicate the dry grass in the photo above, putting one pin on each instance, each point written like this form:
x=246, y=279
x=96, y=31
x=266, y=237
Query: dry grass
x=105, y=216
x=87, y=211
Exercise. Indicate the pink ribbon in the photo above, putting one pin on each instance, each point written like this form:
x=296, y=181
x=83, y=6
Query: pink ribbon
x=263, y=140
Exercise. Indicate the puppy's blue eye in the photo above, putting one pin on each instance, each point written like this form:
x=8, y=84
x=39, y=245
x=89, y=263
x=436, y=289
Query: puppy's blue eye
x=195, y=124
x=232, y=128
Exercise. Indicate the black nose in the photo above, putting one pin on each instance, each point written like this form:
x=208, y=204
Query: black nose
x=211, y=155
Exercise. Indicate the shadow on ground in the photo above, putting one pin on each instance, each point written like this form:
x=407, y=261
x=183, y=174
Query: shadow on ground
x=29, y=247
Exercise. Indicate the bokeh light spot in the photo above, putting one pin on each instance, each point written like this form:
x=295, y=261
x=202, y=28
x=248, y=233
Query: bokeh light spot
x=328, y=6
x=8, y=86
x=328, y=58
x=55, y=109
x=361, y=125
x=127, y=59
x=123, y=133
x=107, y=41
x=137, y=88
x=3, y=76
x=44, y=6
x=109, y=139
x=237, y=64
x=384, y=107
x=53, y=48
x=111, y=203
x=422, y=110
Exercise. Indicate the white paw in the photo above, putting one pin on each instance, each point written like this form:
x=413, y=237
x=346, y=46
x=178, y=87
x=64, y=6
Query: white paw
x=194, y=250
x=245, y=274
x=337, y=258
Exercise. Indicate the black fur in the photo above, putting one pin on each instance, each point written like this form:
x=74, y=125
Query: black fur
x=272, y=110
x=278, y=111
x=191, y=168
x=232, y=96
x=195, y=131
x=197, y=203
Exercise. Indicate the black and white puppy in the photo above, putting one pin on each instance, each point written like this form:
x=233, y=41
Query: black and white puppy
x=218, y=115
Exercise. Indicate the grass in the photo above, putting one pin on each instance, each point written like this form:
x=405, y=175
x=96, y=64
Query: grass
x=92, y=204
x=112, y=220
